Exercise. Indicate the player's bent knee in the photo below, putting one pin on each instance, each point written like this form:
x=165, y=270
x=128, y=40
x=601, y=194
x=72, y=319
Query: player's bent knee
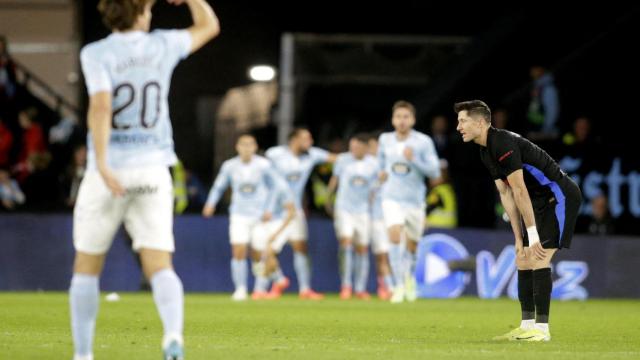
x=299, y=246
x=239, y=252
x=154, y=261
x=395, y=234
x=88, y=264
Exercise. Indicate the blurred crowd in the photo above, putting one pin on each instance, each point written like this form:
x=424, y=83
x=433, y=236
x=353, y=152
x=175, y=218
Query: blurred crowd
x=43, y=155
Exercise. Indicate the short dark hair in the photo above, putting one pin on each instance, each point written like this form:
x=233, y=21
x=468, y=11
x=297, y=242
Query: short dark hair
x=474, y=107
x=295, y=132
x=121, y=14
x=247, y=134
x=362, y=137
x=404, y=104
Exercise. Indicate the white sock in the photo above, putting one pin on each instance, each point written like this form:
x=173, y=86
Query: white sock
x=277, y=275
x=84, y=297
x=347, y=265
x=362, y=272
x=168, y=295
x=527, y=324
x=410, y=263
x=239, y=273
x=396, y=254
x=261, y=284
x=543, y=326
x=303, y=271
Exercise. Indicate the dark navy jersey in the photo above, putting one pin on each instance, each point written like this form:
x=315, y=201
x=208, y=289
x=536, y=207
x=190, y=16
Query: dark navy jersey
x=507, y=152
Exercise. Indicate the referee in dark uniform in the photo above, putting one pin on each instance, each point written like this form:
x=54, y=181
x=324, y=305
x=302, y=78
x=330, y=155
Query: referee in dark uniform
x=542, y=203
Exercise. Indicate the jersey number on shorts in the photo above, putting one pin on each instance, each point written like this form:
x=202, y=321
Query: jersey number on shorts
x=148, y=90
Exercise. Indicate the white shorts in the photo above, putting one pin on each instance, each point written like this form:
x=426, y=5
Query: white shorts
x=265, y=230
x=353, y=226
x=241, y=229
x=298, y=227
x=146, y=210
x=379, y=237
x=411, y=218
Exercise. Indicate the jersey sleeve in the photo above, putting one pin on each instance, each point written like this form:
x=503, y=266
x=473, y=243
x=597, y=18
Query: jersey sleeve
x=178, y=43
x=338, y=166
x=96, y=76
x=381, y=156
x=270, y=154
x=319, y=155
x=220, y=185
x=507, y=154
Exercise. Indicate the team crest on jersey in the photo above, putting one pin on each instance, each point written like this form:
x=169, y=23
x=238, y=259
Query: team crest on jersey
x=247, y=189
x=293, y=177
x=358, y=181
x=400, y=168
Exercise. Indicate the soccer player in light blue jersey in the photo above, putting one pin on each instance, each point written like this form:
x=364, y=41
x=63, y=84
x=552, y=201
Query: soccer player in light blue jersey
x=294, y=162
x=130, y=150
x=355, y=175
x=407, y=157
x=270, y=236
x=252, y=181
x=379, y=238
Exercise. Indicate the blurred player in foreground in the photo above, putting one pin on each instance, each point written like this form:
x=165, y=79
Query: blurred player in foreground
x=130, y=150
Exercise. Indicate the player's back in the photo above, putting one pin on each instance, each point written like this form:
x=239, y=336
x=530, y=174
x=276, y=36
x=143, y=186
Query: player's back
x=136, y=67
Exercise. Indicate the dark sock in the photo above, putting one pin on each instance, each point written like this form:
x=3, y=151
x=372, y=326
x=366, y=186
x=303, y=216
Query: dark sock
x=542, y=285
x=525, y=294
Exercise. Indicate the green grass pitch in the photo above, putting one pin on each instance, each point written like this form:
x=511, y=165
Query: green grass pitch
x=36, y=326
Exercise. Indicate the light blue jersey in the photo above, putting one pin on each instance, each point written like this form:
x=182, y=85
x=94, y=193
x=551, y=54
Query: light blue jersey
x=252, y=185
x=356, y=180
x=136, y=68
x=376, y=204
x=281, y=196
x=296, y=169
x=405, y=182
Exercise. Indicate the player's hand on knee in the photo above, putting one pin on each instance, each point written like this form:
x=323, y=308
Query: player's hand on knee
x=112, y=183
x=208, y=211
x=537, y=251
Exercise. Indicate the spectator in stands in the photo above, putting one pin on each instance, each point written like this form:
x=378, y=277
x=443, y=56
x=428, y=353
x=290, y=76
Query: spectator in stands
x=440, y=135
x=6, y=141
x=601, y=221
x=442, y=208
x=33, y=154
x=10, y=193
x=73, y=175
x=7, y=74
x=196, y=192
x=544, y=107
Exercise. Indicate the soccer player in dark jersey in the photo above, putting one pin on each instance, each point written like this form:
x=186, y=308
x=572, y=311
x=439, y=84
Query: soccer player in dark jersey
x=542, y=203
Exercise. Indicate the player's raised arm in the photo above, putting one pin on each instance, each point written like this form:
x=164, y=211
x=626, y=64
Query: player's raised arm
x=205, y=26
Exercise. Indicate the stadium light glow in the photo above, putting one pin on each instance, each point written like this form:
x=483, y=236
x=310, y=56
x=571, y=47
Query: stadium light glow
x=262, y=73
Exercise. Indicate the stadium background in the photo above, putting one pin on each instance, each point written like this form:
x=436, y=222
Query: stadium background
x=353, y=60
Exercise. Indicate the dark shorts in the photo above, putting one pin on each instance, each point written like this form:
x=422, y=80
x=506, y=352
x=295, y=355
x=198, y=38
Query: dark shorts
x=556, y=215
